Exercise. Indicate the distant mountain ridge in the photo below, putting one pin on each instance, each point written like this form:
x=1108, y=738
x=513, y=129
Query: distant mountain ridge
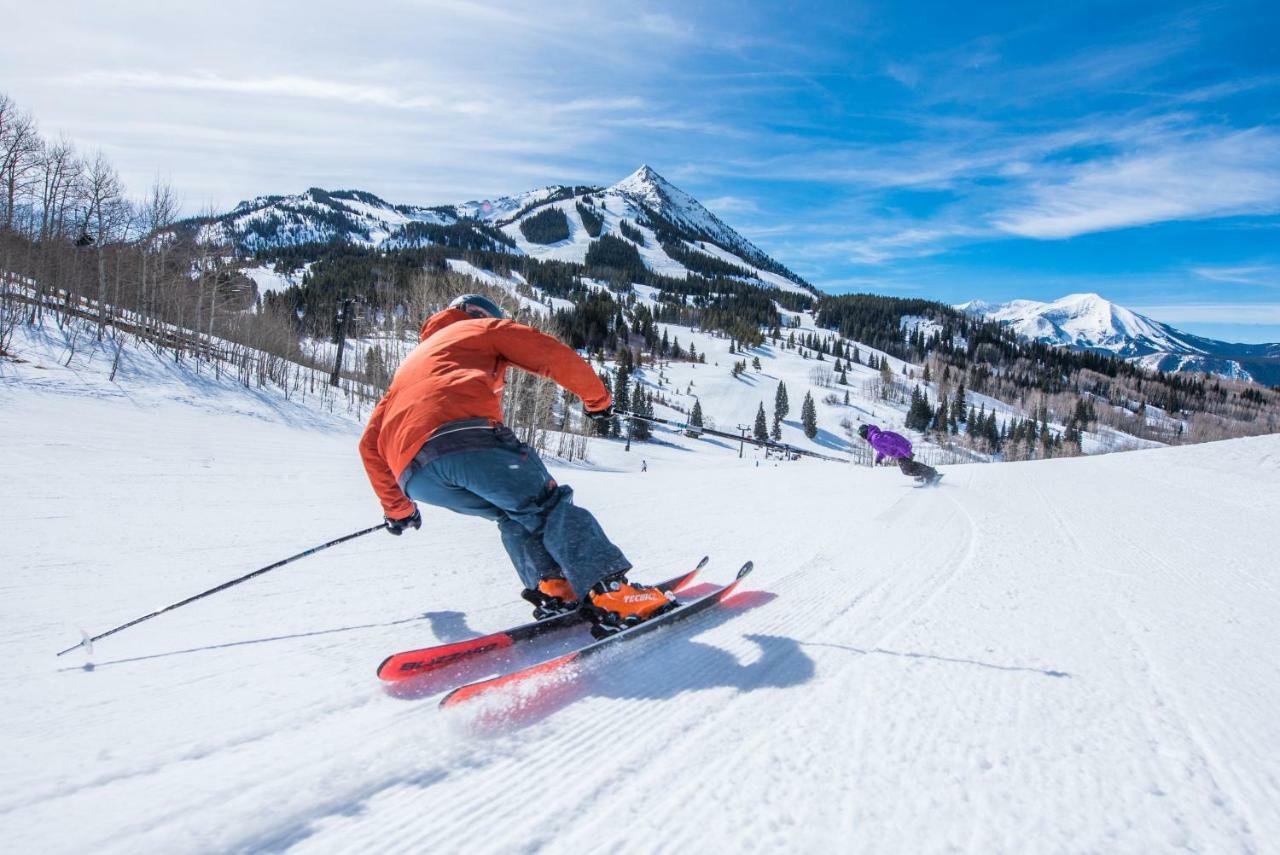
x=1090, y=322
x=672, y=232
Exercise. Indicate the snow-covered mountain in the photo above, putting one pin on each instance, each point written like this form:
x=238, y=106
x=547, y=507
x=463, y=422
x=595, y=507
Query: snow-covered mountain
x=672, y=232
x=1090, y=322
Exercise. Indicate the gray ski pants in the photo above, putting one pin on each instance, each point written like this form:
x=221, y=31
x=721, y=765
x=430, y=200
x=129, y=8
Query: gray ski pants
x=543, y=531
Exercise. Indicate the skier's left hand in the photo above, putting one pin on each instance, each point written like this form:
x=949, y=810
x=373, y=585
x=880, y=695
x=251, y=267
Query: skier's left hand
x=397, y=527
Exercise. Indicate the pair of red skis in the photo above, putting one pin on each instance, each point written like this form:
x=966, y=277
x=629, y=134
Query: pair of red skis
x=414, y=663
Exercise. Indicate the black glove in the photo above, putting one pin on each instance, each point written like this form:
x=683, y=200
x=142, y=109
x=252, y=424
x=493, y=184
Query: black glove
x=601, y=416
x=397, y=527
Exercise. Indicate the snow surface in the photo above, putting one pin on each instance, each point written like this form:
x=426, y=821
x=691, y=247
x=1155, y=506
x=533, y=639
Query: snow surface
x=1071, y=655
x=269, y=280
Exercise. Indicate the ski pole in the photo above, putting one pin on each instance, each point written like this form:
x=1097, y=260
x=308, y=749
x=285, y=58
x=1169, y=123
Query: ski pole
x=87, y=642
x=763, y=443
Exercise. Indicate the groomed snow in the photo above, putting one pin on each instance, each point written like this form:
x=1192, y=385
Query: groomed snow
x=1069, y=655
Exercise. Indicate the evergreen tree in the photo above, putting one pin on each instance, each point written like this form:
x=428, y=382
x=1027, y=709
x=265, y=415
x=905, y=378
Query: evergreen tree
x=776, y=432
x=602, y=428
x=641, y=405
x=857, y=357
x=621, y=397
x=665, y=346
x=809, y=416
x=755, y=363
x=761, y=428
x=547, y=226
x=781, y=406
x=920, y=414
x=695, y=417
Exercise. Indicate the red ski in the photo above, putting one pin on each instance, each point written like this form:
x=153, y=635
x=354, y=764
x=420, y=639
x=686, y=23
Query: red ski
x=471, y=691
x=411, y=663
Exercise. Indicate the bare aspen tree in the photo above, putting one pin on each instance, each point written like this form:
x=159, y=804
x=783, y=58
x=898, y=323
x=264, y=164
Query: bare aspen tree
x=158, y=213
x=103, y=215
x=19, y=159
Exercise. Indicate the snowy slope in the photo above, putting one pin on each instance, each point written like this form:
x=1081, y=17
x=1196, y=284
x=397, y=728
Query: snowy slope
x=729, y=401
x=1089, y=322
x=316, y=216
x=1057, y=656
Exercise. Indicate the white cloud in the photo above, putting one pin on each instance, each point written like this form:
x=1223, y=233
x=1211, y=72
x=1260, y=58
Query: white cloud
x=288, y=86
x=1258, y=274
x=1235, y=173
x=729, y=205
x=907, y=242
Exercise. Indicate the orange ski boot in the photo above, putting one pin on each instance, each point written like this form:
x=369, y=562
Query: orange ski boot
x=614, y=604
x=553, y=596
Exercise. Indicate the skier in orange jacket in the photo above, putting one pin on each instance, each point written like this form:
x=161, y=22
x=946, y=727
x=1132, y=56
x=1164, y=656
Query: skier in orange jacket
x=437, y=437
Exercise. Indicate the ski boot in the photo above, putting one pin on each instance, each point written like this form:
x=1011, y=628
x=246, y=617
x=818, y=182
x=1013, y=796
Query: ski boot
x=614, y=604
x=553, y=596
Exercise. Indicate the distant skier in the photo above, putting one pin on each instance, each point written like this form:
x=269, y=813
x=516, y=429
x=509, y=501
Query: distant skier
x=896, y=448
x=437, y=437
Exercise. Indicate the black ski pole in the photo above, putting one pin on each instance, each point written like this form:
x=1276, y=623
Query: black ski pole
x=88, y=642
x=777, y=446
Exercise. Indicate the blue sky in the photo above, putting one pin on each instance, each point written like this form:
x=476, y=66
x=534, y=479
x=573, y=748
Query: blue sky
x=951, y=151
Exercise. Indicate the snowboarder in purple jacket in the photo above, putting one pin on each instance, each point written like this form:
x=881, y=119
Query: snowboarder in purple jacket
x=896, y=448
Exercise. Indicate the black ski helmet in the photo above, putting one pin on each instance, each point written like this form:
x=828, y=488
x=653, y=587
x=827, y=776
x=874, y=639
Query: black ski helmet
x=862, y=431
x=477, y=306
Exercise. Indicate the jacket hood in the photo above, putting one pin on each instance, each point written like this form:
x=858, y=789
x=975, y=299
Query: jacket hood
x=439, y=321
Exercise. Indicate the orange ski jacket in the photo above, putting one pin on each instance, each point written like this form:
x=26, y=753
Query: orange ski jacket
x=457, y=371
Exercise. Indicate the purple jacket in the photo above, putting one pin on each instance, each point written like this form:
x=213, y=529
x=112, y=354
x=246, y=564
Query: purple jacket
x=887, y=443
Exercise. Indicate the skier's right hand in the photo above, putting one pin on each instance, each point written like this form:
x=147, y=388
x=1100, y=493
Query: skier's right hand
x=600, y=416
x=397, y=527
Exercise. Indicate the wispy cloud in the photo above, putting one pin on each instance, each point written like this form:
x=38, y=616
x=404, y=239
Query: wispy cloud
x=729, y=205
x=1257, y=274
x=287, y=86
x=339, y=91
x=1215, y=176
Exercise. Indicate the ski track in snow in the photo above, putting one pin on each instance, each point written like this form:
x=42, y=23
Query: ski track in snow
x=1066, y=655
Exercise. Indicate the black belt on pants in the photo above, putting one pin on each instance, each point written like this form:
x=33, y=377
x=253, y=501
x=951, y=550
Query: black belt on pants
x=455, y=436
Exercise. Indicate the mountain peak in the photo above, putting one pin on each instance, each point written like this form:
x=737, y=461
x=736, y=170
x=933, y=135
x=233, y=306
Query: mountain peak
x=646, y=173
x=646, y=184
x=1084, y=297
